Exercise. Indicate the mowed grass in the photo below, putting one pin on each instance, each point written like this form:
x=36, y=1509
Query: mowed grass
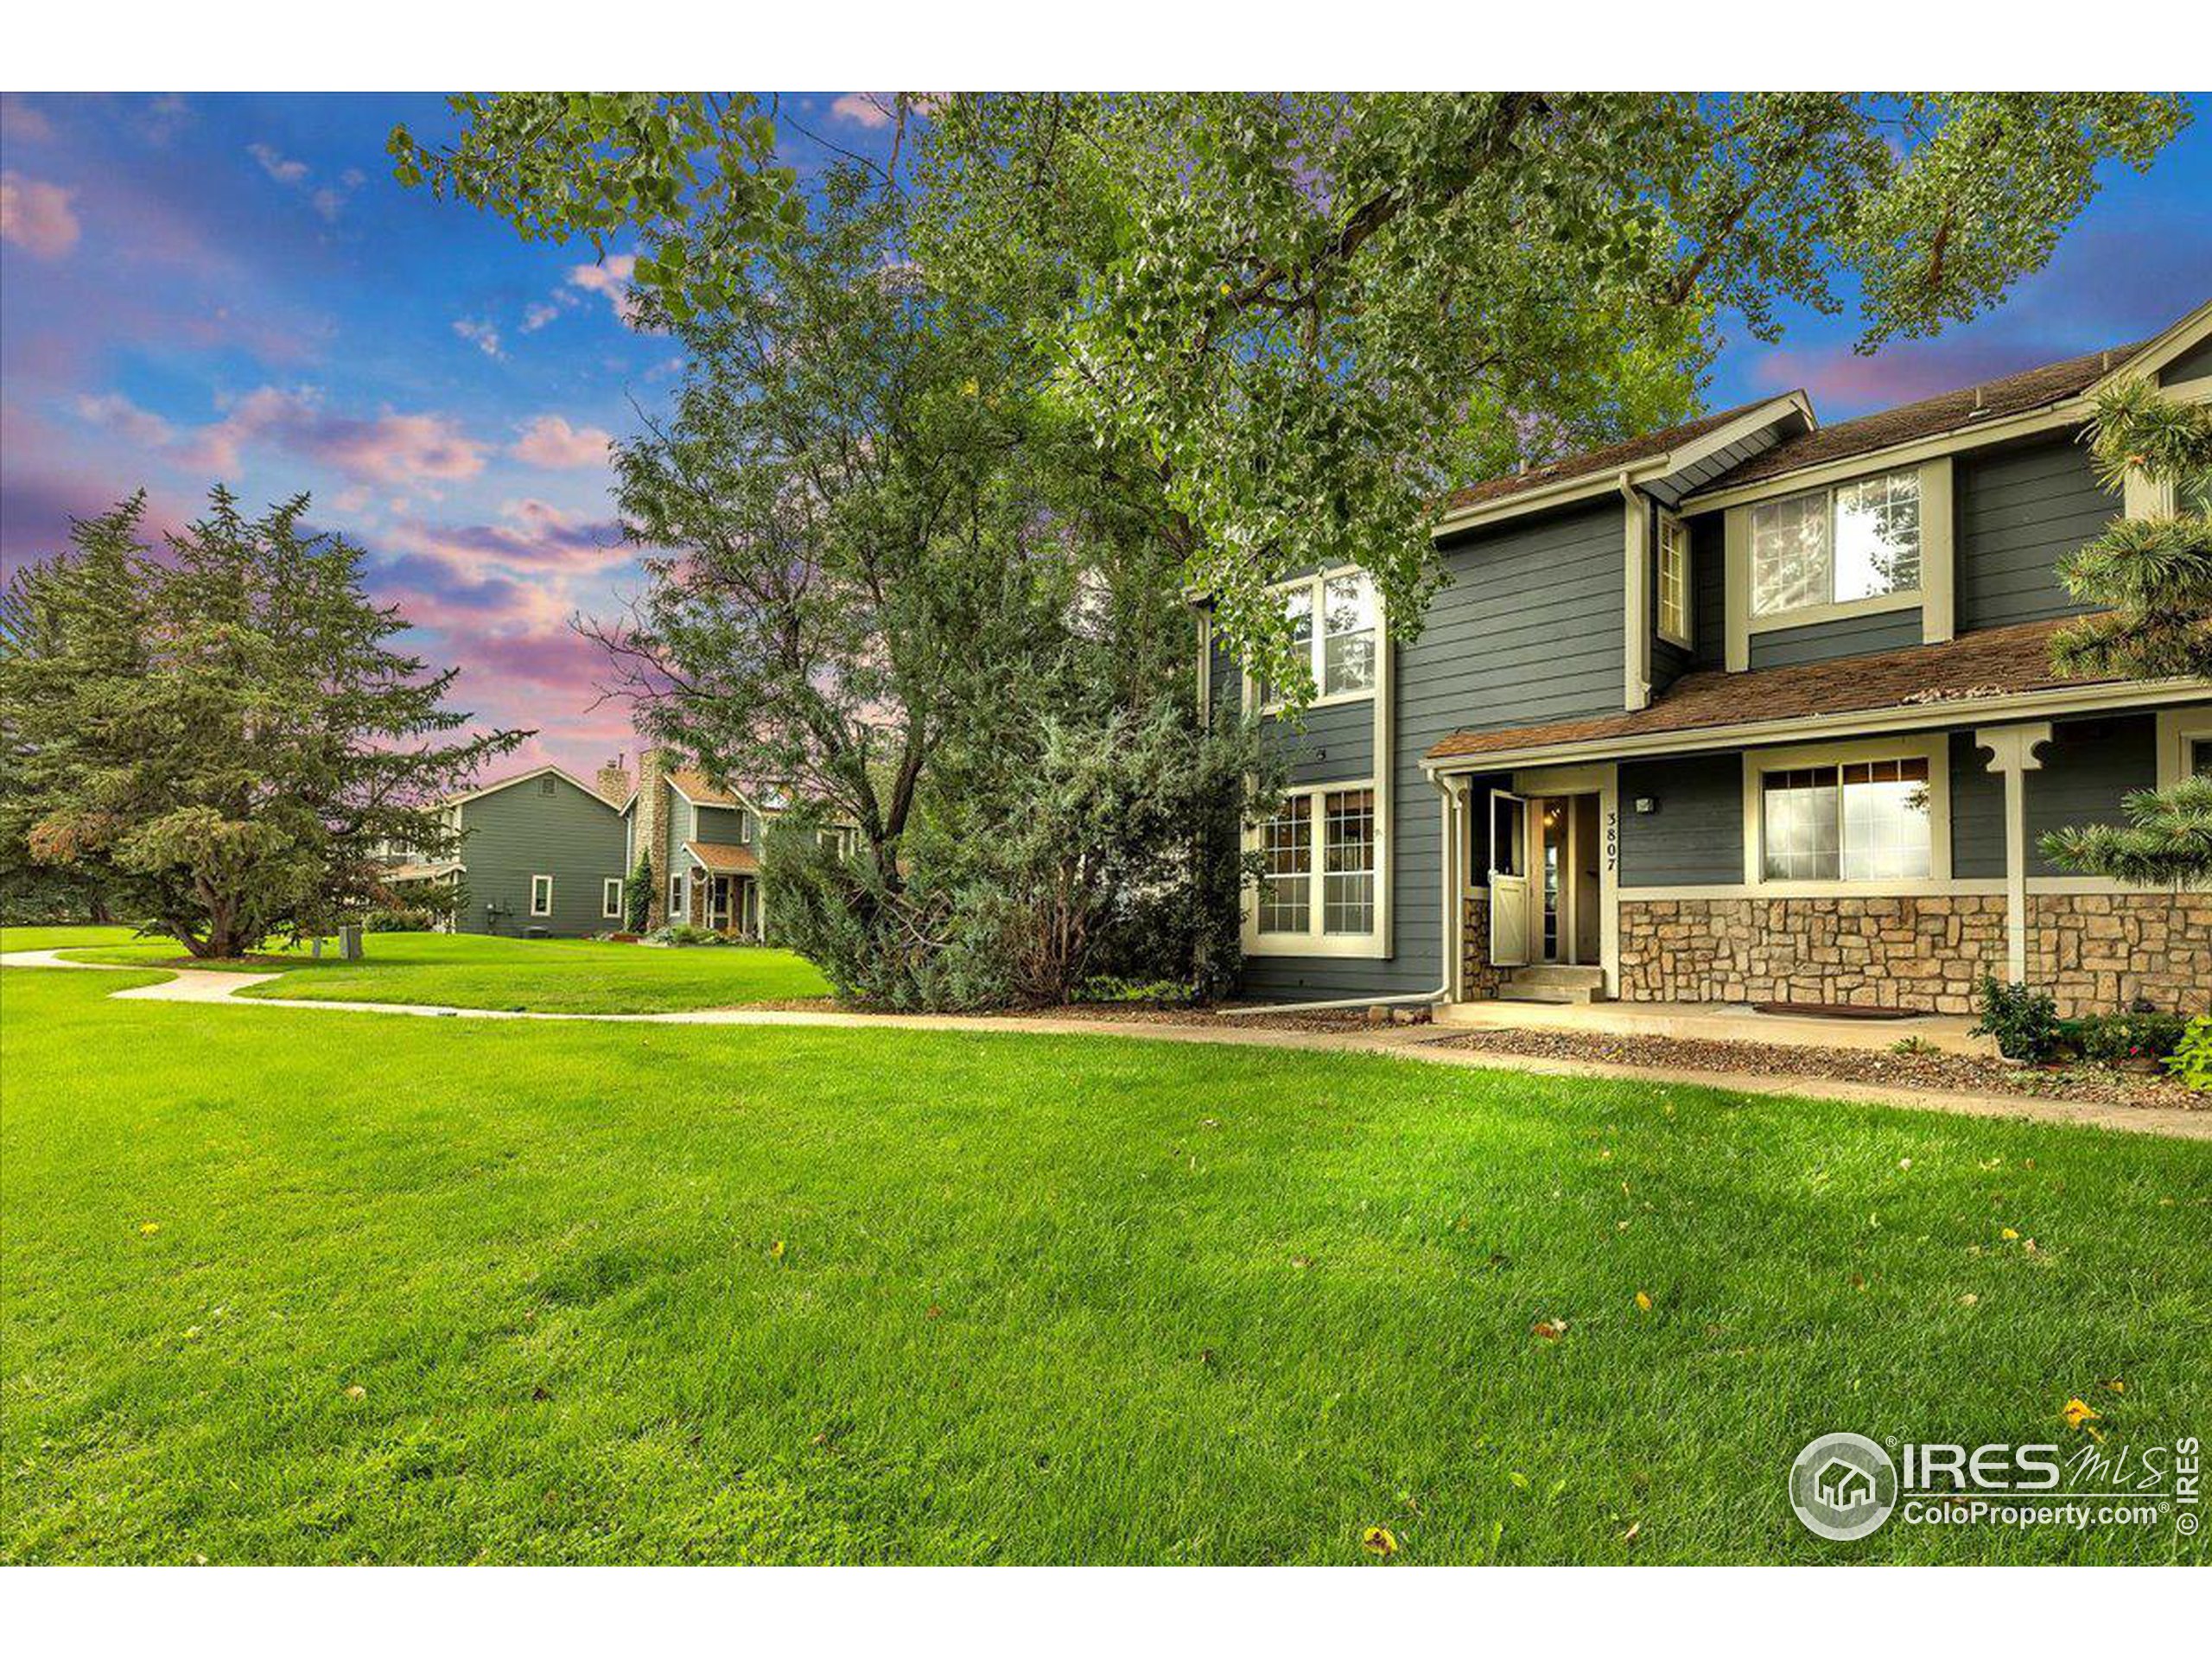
x=625, y=1294
x=464, y=970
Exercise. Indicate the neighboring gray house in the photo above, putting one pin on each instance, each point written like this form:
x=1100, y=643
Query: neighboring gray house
x=1752, y=709
x=541, y=853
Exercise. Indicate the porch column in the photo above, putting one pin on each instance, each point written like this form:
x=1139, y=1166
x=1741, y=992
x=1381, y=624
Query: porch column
x=2013, y=755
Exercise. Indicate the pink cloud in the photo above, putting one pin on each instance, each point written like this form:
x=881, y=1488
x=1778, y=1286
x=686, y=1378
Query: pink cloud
x=533, y=537
x=869, y=109
x=37, y=217
x=610, y=279
x=550, y=441
x=113, y=412
x=386, y=448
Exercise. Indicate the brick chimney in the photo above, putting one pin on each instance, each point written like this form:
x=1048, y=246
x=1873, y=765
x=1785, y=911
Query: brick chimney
x=613, y=781
x=650, y=819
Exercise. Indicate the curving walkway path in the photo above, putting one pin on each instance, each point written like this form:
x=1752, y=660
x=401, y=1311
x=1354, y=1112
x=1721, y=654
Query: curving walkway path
x=203, y=985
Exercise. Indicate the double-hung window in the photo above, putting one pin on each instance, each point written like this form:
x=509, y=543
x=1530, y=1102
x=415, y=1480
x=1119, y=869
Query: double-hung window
x=610, y=898
x=541, y=895
x=1851, y=821
x=1855, y=541
x=1335, y=630
x=1320, y=870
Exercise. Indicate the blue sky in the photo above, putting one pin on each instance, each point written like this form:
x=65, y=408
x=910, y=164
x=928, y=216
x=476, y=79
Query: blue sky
x=232, y=287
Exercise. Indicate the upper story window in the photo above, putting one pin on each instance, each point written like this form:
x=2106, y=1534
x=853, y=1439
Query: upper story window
x=1674, y=580
x=1342, y=652
x=1859, y=540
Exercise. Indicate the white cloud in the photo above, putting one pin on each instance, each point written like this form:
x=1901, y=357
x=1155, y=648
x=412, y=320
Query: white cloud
x=276, y=164
x=113, y=412
x=478, y=332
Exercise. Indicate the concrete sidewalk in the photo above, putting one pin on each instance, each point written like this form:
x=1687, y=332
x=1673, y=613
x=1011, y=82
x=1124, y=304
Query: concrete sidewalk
x=204, y=986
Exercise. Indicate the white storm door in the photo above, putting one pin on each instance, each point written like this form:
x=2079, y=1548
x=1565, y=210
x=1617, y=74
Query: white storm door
x=1508, y=880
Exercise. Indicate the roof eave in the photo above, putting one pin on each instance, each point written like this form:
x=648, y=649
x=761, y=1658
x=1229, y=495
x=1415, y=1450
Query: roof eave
x=1608, y=481
x=1893, y=717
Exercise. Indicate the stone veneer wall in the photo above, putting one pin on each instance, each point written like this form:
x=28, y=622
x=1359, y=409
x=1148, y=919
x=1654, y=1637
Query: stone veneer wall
x=2093, y=952
x=1478, y=978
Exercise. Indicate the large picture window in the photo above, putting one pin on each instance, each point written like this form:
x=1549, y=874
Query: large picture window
x=1334, y=626
x=1855, y=821
x=1320, y=870
x=1859, y=540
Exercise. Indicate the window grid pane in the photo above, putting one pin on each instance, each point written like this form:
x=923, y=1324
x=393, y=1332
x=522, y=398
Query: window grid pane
x=1878, y=537
x=1347, y=635
x=1885, y=824
x=1673, y=579
x=1348, y=862
x=1799, y=829
x=1286, y=880
x=1790, y=567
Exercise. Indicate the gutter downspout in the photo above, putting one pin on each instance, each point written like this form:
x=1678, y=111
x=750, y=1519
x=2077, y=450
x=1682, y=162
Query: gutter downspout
x=1448, y=805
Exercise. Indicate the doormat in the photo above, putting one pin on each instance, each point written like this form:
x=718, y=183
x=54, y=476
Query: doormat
x=1837, y=1011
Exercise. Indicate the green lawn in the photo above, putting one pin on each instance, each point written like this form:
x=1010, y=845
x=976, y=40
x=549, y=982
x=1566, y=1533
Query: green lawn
x=464, y=970
x=625, y=1294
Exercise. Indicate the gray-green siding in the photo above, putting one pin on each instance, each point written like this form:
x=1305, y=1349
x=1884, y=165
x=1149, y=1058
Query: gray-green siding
x=1695, y=836
x=2020, y=511
x=1850, y=636
x=515, y=833
x=721, y=826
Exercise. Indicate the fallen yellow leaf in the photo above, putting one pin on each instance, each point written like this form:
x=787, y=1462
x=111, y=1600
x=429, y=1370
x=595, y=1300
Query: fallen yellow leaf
x=776, y=1249
x=356, y=1392
x=148, y=1228
x=2078, y=1412
x=1379, y=1541
x=1643, y=1300
x=1550, y=1330
x=2008, y=1234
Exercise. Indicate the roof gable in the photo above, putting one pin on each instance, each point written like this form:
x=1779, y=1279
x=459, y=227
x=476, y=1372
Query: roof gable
x=563, y=774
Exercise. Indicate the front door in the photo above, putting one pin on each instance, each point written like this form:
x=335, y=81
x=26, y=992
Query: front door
x=718, y=904
x=1508, y=880
x=1553, y=865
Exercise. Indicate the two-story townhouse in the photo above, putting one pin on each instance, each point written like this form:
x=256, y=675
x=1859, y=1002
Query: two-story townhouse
x=703, y=842
x=540, y=852
x=1754, y=709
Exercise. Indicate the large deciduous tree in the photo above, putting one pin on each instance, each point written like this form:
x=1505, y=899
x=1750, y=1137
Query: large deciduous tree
x=1311, y=313
x=895, y=586
x=2149, y=581
x=217, y=734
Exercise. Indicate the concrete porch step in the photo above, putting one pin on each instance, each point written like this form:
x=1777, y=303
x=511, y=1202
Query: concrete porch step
x=1553, y=982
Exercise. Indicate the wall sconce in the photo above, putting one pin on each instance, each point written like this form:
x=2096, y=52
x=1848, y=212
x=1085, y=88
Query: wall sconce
x=1646, y=806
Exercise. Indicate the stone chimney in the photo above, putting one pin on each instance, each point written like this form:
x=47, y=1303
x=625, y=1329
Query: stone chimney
x=613, y=781
x=650, y=819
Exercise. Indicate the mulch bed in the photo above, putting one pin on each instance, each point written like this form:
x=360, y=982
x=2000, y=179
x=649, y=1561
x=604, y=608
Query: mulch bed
x=1963, y=1073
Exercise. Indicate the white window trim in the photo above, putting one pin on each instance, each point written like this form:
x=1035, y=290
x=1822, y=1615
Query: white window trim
x=2177, y=729
x=1933, y=748
x=1933, y=598
x=1682, y=640
x=538, y=910
x=1316, y=644
x=1315, y=943
x=676, y=896
x=610, y=898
